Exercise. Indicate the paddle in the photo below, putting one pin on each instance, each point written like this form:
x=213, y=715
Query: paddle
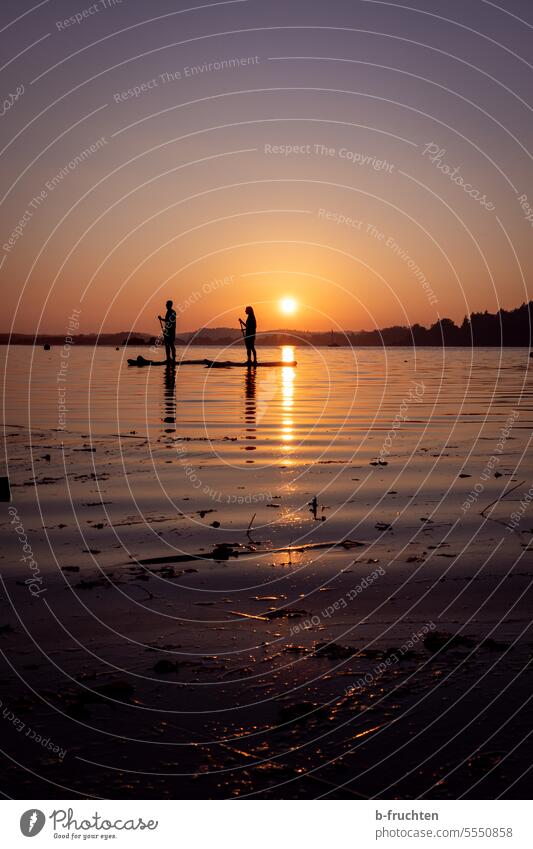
x=243, y=330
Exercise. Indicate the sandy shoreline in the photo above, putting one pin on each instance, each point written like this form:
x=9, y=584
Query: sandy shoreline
x=322, y=671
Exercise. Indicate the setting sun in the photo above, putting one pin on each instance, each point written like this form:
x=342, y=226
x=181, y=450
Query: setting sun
x=288, y=306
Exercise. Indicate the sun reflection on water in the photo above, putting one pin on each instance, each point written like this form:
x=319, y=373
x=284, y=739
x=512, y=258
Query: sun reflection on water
x=288, y=375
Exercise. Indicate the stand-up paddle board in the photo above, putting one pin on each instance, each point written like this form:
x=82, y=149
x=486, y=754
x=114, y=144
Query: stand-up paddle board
x=230, y=364
x=142, y=361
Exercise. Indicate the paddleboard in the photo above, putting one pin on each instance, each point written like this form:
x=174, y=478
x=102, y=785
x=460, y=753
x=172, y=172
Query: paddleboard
x=142, y=361
x=230, y=364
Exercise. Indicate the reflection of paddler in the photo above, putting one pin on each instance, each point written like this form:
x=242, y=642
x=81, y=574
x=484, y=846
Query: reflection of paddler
x=250, y=408
x=249, y=391
x=248, y=329
x=169, y=399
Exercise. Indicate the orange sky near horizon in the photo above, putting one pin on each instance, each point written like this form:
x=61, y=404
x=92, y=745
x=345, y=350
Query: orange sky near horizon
x=352, y=160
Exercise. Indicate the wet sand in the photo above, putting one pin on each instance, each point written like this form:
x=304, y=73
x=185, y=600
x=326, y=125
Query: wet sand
x=188, y=622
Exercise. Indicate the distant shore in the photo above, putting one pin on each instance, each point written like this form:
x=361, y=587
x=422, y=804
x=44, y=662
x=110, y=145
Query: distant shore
x=54, y=341
x=506, y=328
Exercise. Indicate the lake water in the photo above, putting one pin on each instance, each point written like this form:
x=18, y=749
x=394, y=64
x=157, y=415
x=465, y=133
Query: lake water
x=335, y=391
x=346, y=426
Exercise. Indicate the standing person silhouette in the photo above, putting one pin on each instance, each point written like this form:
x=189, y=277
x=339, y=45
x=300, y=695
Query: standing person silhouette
x=249, y=328
x=169, y=332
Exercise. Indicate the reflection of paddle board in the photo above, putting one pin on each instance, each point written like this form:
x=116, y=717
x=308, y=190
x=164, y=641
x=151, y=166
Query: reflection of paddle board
x=229, y=364
x=141, y=361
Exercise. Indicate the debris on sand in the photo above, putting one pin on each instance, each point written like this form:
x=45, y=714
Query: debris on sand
x=173, y=558
x=242, y=672
x=281, y=613
x=115, y=690
x=298, y=712
x=249, y=530
x=74, y=702
x=91, y=584
x=165, y=667
x=248, y=615
x=225, y=550
x=493, y=645
x=505, y=493
x=286, y=613
x=399, y=654
x=269, y=597
x=482, y=762
x=296, y=649
x=96, y=503
x=221, y=551
x=5, y=492
x=334, y=651
x=442, y=641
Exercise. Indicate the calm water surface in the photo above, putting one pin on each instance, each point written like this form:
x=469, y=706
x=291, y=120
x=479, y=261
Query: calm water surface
x=337, y=390
x=372, y=434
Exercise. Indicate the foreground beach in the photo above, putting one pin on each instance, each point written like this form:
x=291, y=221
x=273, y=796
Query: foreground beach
x=181, y=618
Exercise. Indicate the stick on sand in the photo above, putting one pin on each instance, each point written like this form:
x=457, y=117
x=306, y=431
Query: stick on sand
x=500, y=497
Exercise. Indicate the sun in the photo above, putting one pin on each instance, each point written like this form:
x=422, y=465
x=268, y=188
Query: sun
x=288, y=306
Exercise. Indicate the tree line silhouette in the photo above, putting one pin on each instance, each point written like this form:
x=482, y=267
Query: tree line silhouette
x=506, y=328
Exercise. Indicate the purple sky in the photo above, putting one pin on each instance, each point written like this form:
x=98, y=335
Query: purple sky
x=368, y=159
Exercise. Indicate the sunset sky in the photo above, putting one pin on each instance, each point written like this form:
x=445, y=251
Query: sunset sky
x=369, y=160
